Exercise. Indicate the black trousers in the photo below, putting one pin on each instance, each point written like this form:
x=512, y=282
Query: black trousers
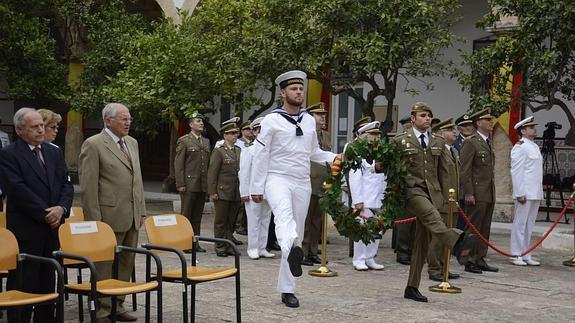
x=35, y=278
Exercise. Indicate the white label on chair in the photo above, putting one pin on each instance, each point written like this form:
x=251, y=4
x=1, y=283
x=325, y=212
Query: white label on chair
x=83, y=227
x=165, y=220
x=71, y=212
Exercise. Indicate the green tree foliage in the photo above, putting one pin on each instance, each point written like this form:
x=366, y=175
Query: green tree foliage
x=541, y=47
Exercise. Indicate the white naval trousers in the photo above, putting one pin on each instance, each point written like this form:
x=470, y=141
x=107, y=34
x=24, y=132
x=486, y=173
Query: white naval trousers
x=523, y=222
x=258, y=215
x=363, y=252
x=288, y=198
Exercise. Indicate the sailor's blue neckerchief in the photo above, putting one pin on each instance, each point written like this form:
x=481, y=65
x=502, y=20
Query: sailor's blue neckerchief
x=290, y=118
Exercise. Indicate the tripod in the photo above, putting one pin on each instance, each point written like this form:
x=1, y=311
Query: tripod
x=552, y=178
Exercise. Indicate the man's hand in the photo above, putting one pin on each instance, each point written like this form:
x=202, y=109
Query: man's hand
x=522, y=199
x=469, y=199
x=379, y=167
x=214, y=197
x=257, y=198
x=181, y=189
x=53, y=216
x=245, y=198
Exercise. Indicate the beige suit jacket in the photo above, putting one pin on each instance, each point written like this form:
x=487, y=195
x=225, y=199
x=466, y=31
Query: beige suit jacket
x=112, y=187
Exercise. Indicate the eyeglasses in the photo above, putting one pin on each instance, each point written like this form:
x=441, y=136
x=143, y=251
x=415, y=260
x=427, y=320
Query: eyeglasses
x=54, y=127
x=124, y=120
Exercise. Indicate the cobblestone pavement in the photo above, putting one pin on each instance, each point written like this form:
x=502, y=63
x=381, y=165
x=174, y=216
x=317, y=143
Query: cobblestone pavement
x=514, y=294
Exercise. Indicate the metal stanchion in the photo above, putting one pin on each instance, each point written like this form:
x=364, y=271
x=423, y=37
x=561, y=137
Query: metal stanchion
x=571, y=262
x=323, y=271
x=445, y=286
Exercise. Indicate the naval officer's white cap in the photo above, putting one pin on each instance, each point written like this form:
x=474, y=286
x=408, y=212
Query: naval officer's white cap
x=529, y=121
x=232, y=120
x=256, y=122
x=372, y=127
x=291, y=77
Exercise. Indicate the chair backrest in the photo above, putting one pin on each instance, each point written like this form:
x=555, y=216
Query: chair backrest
x=76, y=214
x=9, y=251
x=3, y=219
x=172, y=230
x=92, y=239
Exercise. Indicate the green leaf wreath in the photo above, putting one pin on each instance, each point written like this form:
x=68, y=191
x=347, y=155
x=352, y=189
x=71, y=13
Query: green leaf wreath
x=348, y=222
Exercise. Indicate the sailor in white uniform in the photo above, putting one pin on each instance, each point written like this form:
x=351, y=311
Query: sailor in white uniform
x=286, y=145
x=258, y=214
x=367, y=189
x=527, y=178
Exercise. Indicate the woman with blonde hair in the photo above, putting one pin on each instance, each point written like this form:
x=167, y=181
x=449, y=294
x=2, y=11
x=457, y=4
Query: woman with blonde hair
x=51, y=124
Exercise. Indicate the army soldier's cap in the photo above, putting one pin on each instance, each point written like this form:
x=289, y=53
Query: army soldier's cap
x=234, y=120
x=246, y=125
x=372, y=127
x=197, y=115
x=464, y=119
x=483, y=114
x=291, y=77
x=446, y=124
x=230, y=127
x=405, y=120
x=361, y=122
x=420, y=107
x=527, y=122
x=317, y=108
x=256, y=122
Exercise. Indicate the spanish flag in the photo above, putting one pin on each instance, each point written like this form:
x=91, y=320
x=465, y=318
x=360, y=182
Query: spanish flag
x=508, y=119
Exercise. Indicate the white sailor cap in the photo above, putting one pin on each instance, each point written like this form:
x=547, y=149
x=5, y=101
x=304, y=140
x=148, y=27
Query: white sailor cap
x=529, y=121
x=232, y=120
x=291, y=77
x=372, y=127
x=256, y=122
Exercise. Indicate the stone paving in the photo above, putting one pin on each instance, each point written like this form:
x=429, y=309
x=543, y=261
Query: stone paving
x=514, y=294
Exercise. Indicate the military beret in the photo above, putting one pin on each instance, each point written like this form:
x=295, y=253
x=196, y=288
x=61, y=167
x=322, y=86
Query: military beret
x=317, y=108
x=291, y=77
x=420, y=107
x=196, y=115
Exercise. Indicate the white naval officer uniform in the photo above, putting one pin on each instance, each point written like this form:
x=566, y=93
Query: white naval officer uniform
x=527, y=178
x=281, y=172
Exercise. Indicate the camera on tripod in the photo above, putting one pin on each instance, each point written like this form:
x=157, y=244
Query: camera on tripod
x=551, y=178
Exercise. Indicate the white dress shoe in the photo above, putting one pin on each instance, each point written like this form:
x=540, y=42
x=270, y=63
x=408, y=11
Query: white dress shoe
x=518, y=262
x=531, y=262
x=360, y=267
x=371, y=264
x=253, y=254
x=266, y=254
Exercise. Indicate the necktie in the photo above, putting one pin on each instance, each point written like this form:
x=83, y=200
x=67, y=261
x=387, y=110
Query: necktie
x=488, y=143
x=38, y=154
x=452, y=153
x=124, y=151
x=423, y=144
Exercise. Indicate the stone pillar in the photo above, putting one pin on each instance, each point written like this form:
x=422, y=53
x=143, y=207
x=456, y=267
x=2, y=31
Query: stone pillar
x=504, y=206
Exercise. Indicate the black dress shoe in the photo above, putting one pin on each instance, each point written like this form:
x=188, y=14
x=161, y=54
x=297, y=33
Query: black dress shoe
x=274, y=246
x=453, y=275
x=222, y=254
x=294, y=260
x=403, y=259
x=315, y=259
x=486, y=267
x=463, y=246
x=236, y=241
x=125, y=317
x=290, y=300
x=473, y=268
x=200, y=249
x=438, y=277
x=307, y=261
x=414, y=294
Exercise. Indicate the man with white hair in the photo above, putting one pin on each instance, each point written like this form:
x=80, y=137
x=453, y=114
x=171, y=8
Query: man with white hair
x=113, y=192
x=283, y=151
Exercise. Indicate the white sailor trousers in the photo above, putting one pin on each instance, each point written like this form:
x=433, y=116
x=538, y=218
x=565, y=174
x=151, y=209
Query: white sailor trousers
x=258, y=215
x=523, y=222
x=289, y=199
x=363, y=252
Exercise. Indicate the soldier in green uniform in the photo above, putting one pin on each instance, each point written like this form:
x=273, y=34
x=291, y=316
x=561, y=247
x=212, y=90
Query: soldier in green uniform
x=422, y=155
x=314, y=219
x=191, y=168
x=448, y=173
x=224, y=187
x=478, y=186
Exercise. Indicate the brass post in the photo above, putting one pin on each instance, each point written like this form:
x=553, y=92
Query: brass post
x=323, y=271
x=571, y=262
x=445, y=286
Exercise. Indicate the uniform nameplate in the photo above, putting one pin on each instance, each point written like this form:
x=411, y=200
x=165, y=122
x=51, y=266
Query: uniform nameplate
x=83, y=227
x=165, y=220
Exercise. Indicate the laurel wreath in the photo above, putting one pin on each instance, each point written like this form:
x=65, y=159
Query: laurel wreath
x=349, y=222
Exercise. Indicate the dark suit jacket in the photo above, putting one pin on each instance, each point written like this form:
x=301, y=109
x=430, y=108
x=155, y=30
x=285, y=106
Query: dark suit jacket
x=29, y=191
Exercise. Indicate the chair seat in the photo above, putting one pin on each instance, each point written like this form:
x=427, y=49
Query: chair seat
x=115, y=287
x=201, y=274
x=17, y=298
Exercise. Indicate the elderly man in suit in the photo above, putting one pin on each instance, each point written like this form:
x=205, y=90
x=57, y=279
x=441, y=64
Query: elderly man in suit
x=39, y=196
x=478, y=185
x=191, y=168
x=113, y=192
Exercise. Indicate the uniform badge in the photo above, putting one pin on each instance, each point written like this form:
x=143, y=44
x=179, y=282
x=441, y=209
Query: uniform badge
x=407, y=145
x=403, y=141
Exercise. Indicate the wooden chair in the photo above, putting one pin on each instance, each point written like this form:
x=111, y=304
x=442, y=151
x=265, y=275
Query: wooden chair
x=94, y=241
x=173, y=233
x=10, y=259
